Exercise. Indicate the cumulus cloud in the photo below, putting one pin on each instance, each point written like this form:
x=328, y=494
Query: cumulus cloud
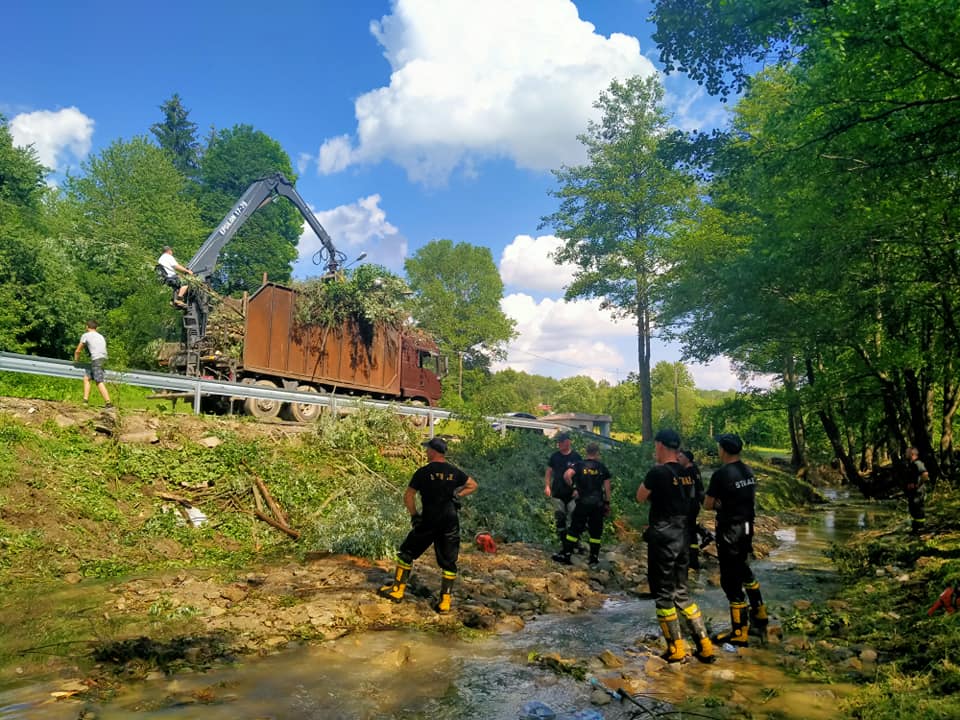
x=562, y=339
x=527, y=263
x=361, y=226
x=472, y=80
x=58, y=136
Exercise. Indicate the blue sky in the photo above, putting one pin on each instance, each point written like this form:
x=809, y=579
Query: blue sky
x=408, y=120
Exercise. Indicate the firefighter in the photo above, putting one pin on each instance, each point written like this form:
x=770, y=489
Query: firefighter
x=669, y=490
x=731, y=494
x=440, y=485
x=693, y=536
x=590, y=481
x=555, y=487
x=914, y=478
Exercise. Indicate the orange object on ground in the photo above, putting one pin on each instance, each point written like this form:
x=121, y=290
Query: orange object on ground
x=948, y=600
x=485, y=542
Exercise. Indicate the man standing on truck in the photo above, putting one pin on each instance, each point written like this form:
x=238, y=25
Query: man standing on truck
x=440, y=485
x=169, y=266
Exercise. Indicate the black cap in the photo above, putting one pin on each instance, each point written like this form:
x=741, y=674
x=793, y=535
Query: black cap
x=669, y=438
x=730, y=442
x=562, y=436
x=688, y=454
x=438, y=444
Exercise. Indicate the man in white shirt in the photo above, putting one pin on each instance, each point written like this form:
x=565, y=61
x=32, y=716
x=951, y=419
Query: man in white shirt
x=170, y=268
x=96, y=345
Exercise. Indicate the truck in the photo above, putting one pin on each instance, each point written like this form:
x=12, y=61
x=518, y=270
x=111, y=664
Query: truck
x=396, y=363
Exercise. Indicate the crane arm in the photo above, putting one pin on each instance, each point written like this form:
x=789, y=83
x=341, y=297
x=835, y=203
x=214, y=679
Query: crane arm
x=256, y=196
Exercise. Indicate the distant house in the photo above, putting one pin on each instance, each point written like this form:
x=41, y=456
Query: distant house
x=599, y=424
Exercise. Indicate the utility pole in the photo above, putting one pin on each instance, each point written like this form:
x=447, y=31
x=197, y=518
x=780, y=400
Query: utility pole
x=676, y=394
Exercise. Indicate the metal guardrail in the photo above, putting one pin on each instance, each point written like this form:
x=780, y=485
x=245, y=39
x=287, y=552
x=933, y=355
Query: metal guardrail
x=199, y=387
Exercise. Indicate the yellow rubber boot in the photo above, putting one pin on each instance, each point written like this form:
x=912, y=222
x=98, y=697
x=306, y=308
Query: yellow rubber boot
x=394, y=591
x=739, y=626
x=445, y=602
x=698, y=630
x=670, y=627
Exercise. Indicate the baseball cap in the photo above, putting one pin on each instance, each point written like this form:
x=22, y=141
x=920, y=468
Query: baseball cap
x=437, y=444
x=562, y=436
x=669, y=438
x=730, y=442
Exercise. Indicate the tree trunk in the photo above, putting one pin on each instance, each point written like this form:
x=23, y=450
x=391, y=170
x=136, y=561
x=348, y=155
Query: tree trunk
x=832, y=431
x=643, y=357
x=798, y=441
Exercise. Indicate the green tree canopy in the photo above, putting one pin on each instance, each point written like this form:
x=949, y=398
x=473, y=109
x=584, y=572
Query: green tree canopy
x=267, y=243
x=616, y=212
x=457, y=293
x=177, y=134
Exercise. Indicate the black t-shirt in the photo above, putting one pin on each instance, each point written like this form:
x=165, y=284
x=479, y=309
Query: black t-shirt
x=588, y=479
x=912, y=476
x=694, y=472
x=559, y=463
x=438, y=483
x=671, y=491
x=735, y=487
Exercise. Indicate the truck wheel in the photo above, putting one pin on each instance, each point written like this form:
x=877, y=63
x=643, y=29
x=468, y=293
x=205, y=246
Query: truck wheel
x=303, y=412
x=262, y=408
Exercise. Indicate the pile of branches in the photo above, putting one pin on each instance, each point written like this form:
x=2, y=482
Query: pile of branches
x=366, y=297
x=225, y=326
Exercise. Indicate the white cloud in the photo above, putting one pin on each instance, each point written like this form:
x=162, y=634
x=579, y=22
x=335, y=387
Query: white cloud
x=57, y=136
x=359, y=227
x=482, y=79
x=695, y=110
x=562, y=339
x=334, y=155
x=527, y=263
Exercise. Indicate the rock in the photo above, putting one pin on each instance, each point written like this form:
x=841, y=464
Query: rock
x=72, y=578
x=509, y=624
x=796, y=644
x=143, y=436
x=610, y=660
x=62, y=421
x=210, y=441
x=838, y=604
x=654, y=665
x=275, y=641
x=233, y=593
x=722, y=674
x=599, y=697
x=802, y=605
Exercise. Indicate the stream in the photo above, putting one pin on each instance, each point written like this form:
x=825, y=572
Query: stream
x=406, y=675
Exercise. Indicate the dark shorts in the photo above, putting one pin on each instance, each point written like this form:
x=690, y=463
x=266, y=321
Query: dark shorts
x=95, y=371
x=173, y=281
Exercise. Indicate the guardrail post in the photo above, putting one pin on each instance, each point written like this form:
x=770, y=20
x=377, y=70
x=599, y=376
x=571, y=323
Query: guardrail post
x=196, y=398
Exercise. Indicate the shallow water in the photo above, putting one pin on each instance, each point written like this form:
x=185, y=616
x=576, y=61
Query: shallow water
x=401, y=675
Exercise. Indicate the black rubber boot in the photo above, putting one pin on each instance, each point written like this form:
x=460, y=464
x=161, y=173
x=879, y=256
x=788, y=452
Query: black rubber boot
x=670, y=627
x=739, y=626
x=443, y=605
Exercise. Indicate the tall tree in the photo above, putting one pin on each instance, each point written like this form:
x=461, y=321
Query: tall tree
x=616, y=212
x=177, y=134
x=114, y=219
x=457, y=294
x=267, y=243
x=41, y=304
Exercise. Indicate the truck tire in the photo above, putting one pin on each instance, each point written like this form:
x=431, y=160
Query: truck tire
x=303, y=412
x=262, y=408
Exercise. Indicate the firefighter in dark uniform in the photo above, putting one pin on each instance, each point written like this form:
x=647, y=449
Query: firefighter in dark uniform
x=669, y=489
x=440, y=485
x=915, y=477
x=556, y=488
x=685, y=457
x=590, y=481
x=731, y=493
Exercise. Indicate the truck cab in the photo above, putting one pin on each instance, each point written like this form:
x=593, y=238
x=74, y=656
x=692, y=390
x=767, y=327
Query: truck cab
x=421, y=368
